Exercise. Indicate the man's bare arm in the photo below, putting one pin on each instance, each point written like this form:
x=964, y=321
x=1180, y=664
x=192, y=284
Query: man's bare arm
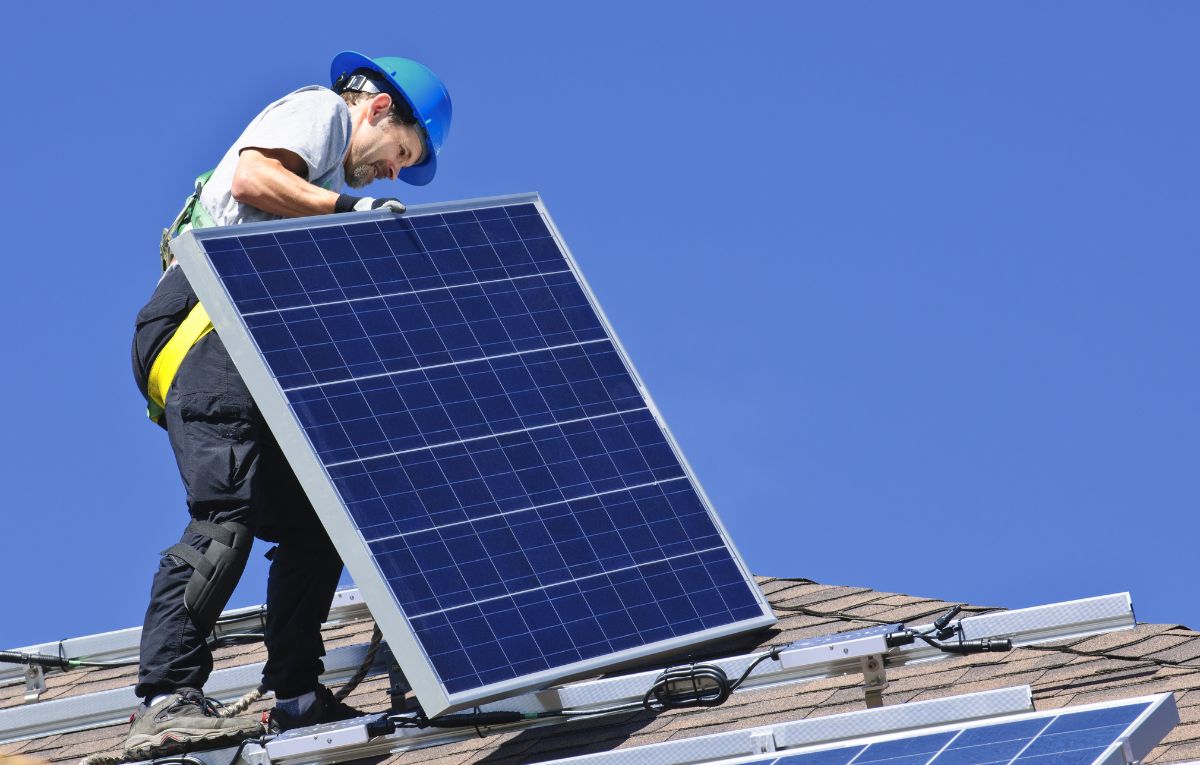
x=273, y=180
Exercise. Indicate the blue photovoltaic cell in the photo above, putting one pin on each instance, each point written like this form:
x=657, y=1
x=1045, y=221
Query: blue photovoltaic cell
x=1068, y=738
x=486, y=437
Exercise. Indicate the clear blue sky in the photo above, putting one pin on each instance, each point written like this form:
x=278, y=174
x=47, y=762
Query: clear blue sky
x=915, y=285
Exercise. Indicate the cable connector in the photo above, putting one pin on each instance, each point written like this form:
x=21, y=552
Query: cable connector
x=899, y=638
x=35, y=659
x=987, y=645
x=942, y=624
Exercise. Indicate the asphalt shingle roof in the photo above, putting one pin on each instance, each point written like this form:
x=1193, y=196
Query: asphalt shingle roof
x=1151, y=658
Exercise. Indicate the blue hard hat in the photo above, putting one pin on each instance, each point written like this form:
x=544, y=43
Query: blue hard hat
x=424, y=93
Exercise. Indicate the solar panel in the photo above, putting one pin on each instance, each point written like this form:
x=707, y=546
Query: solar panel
x=1069, y=736
x=1110, y=733
x=475, y=440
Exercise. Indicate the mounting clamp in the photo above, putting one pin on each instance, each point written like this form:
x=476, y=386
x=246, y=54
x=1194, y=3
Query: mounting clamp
x=35, y=682
x=874, y=679
x=762, y=741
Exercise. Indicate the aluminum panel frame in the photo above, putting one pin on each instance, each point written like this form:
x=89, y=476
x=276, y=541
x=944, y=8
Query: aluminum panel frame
x=272, y=402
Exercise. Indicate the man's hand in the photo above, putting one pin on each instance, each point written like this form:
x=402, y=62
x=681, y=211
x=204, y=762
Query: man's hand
x=348, y=203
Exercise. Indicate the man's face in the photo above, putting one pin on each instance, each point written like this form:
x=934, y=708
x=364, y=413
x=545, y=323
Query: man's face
x=379, y=146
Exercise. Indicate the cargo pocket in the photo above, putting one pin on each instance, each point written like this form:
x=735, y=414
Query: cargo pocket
x=219, y=463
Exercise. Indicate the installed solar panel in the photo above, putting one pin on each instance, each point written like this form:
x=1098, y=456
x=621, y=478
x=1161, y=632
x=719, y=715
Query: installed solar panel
x=1069, y=738
x=1111, y=733
x=1063, y=737
x=475, y=440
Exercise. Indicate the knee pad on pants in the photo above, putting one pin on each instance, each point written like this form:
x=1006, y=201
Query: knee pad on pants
x=215, y=572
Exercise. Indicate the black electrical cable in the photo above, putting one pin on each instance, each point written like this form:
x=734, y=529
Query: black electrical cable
x=602, y=711
x=261, y=614
x=942, y=629
x=61, y=661
x=38, y=659
x=696, y=685
x=58, y=662
x=771, y=654
x=235, y=638
x=459, y=720
x=683, y=687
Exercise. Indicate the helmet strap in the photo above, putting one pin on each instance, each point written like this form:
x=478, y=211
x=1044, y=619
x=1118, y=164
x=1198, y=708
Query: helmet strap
x=359, y=82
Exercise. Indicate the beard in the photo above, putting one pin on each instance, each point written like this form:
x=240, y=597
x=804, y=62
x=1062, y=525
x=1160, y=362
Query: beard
x=363, y=173
x=360, y=175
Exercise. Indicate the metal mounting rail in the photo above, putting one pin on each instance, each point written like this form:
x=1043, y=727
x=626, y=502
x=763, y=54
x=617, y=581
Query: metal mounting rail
x=107, y=707
x=347, y=605
x=1076, y=618
x=340, y=742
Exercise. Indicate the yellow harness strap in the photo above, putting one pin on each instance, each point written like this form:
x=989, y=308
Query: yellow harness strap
x=197, y=323
x=162, y=371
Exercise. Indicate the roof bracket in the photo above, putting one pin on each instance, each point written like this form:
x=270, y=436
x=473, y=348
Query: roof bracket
x=35, y=683
x=762, y=741
x=874, y=679
x=1128, y=754
x=398, y=686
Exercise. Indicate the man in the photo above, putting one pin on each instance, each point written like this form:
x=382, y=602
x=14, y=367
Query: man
x=384, y=118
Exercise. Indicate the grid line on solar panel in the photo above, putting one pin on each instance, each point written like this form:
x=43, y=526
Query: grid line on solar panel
x=447, y=364
x=485, y=435
x=1068, y=738
x=478, y=438
x=618, y=532
x=576, y=580
x=518, y=471
x=508, y=513
x=400, y=294
x=273, y=271
x=489, y=397
x=1034, y=738
x=415, y=331
x=578, y=619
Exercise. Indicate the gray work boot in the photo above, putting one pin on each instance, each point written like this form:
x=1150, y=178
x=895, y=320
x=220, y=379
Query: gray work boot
x=184, y=721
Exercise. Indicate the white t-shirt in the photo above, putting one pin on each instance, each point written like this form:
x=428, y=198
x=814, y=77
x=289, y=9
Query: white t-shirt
x=313, y=122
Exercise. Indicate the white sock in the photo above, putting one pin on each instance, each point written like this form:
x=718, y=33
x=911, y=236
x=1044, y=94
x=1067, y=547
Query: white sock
x=297, y=705
x=152, y=701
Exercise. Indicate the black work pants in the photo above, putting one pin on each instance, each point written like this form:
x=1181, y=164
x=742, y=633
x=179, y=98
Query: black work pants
x=233, y=470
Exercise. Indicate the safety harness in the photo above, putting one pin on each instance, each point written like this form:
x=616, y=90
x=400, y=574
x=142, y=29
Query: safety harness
x=195, y=326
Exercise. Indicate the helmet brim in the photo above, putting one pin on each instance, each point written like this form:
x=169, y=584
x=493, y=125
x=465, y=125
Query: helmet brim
x=422, y=174
x=349, y=61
